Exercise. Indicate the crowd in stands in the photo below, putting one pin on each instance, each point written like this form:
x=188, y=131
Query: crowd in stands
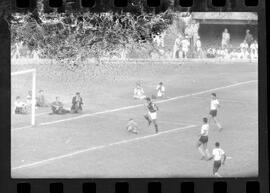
x=191, y=46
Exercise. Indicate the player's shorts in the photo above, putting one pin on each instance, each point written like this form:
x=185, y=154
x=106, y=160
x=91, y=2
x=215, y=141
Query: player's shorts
x=153, y=115
x=213, y=113
x=217, y=165
x=203, y=139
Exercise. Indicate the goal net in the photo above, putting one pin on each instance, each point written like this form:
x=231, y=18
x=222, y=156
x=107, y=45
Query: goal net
x=23, y=97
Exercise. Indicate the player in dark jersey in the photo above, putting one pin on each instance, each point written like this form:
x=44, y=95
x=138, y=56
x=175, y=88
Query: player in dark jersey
x=151, y=116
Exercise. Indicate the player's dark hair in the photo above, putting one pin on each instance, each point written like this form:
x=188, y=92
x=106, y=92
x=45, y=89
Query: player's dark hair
x=18, y=97
x=205, y=120
x=217, y=144
x=148, y=99
x=161, y=83
x=214, y=94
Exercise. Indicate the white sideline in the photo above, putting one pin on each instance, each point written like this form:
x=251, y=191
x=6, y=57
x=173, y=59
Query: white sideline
x=139, y=105
x=99, y=147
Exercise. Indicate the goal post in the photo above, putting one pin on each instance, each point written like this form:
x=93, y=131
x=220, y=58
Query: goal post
x=33, y=100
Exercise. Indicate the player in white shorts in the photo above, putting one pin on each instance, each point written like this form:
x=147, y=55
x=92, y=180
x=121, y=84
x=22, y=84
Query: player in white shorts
x=152, y=113
x=160, y=90
x=219, y=157
x=204, y=139
x=185, y=46
x=214, y=105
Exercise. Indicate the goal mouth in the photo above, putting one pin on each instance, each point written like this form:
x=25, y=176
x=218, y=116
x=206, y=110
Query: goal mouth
x=31, y=92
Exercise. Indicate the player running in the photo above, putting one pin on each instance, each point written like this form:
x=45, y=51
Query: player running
x=203, y=140
x=152, y=113
x=214, y=105
x=219, y=158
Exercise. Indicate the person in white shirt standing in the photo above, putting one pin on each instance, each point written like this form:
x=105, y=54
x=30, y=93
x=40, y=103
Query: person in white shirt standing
x=214, y=105
x=254, y=50
x=219, y=157
x=225, y=42
x=202, y=142
x=185, y=46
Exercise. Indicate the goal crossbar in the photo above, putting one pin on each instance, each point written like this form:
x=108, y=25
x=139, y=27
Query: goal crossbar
x=33, y=100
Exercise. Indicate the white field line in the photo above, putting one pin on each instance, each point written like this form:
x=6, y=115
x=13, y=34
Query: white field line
x=101, y=147
x=140, y=105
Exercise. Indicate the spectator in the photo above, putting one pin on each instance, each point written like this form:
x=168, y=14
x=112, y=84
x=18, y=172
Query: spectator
x=248, y=38
x=185, y=46
x=58, y=107
x=41, y=99
x=225, y=39
x=20, y=106
x=199, y=47
x=244, y=49
x=77, y=103
x=254, y=50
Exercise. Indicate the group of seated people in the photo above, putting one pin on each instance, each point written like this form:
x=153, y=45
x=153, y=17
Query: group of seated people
x=244, y=51
x=57, y=107
x=139, y=92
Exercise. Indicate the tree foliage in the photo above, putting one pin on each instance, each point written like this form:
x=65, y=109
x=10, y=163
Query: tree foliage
x=71, y=36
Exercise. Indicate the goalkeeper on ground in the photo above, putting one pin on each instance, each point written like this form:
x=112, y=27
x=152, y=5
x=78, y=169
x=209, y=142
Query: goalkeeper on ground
x=132, y=126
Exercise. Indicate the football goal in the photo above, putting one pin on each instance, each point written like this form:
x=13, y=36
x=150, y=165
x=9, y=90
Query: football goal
x=23, y=82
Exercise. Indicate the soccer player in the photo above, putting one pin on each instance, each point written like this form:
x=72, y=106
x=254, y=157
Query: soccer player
x=219, y=158
x=204, y=139
x=138, y=92
x=152, y=113
x=160, y=90
x=214, y=105
x=132, y=126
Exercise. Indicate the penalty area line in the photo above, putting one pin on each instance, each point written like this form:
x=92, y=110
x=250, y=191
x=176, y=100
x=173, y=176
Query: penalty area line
x=46, y=161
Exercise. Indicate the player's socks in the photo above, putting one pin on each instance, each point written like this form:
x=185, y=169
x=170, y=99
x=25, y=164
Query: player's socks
x=156, y=127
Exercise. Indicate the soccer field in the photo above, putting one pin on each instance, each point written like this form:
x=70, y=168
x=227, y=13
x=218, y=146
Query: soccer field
x=96, y=144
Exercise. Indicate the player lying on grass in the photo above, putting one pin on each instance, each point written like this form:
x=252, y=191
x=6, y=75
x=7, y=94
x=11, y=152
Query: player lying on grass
x=58, y=107
x=20, y=106
x=214, y=105
x=202, y=142
x=132, y=126
x=160, y=90
x=77, y=103
x=219, y=157
x=138, y=92
x=151, y=115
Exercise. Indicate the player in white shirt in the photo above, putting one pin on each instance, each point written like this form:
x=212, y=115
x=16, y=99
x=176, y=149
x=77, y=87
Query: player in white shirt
x=185, y=46
x=214, y=105
x=219, y=157
x=138, y=92
x=204, y=139
x=176, y=46
x=199, y=47
x=160, y=90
